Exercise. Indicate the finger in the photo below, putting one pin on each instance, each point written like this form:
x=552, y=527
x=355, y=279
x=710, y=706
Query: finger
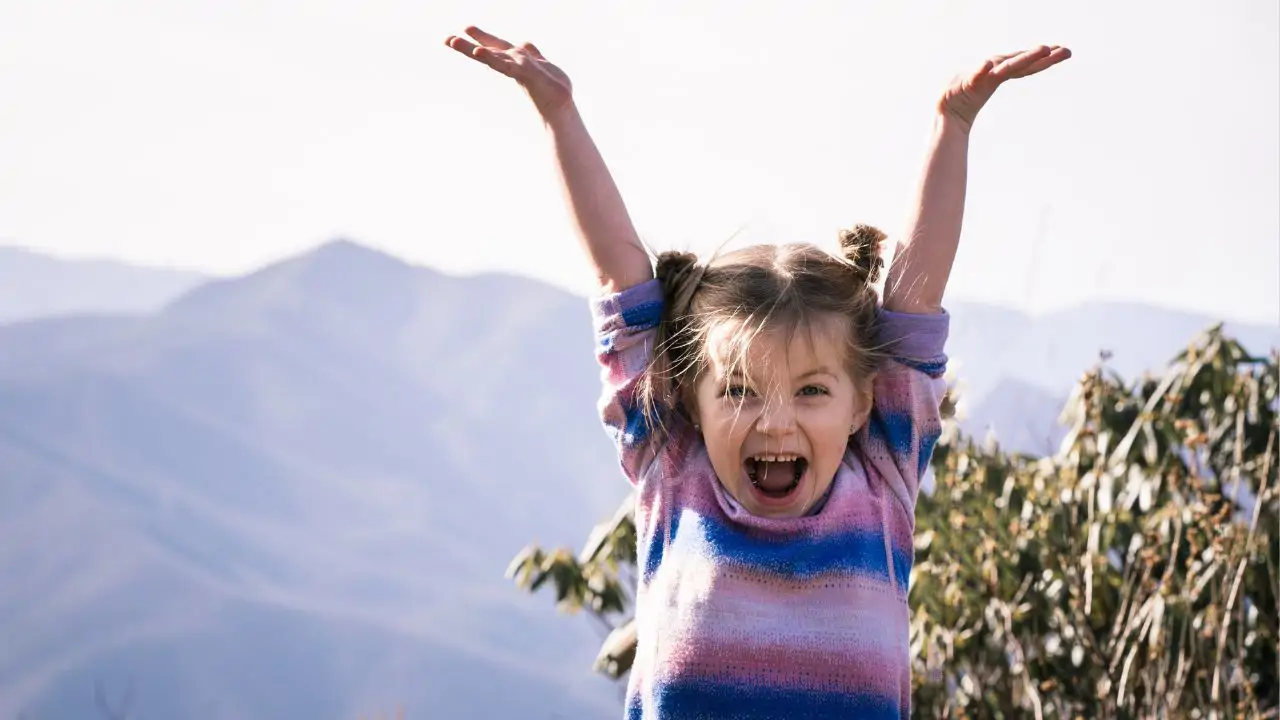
x=1015, y=65
x=1023, y=59
x=1057, y=55
x=460, y=44
x=992, y=63
x=532, y=50
x=981, y=73
x=487, y=39
x=499, y=61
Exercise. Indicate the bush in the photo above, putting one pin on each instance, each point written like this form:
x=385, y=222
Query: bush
x=1131, y=575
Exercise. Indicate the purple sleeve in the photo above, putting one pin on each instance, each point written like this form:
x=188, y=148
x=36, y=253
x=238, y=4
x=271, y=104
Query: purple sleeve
x=906, y=420
x=915, y=339
x=625, y=326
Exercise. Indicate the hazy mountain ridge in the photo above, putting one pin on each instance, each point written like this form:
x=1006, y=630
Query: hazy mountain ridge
x=1051, y=351
x=340, y=452
x=1015, y=371
x=34, y=285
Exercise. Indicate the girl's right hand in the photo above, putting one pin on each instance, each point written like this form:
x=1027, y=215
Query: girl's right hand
x=548, y=86
x=969, y=93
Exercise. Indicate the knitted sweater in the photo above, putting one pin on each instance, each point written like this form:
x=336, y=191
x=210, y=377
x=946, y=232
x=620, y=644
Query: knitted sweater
x=740, y=616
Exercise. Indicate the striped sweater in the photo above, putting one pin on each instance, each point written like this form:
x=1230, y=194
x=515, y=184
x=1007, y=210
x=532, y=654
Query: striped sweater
x=740, y=616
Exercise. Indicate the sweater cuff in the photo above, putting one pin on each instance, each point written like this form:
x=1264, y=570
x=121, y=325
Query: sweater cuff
x=912, y=336
x=638, y=306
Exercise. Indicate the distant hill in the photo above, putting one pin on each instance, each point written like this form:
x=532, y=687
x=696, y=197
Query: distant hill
x=33, y=285
x=1020, y=416
x=293, y=494
x=1051, y=351
x=1016, y=370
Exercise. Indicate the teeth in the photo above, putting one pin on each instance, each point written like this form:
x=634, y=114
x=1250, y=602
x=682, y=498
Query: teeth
x=776, y=458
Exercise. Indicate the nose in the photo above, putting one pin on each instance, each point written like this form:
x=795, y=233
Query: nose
x=778, y=417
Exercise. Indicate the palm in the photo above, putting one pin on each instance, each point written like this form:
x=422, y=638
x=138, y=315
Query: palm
x=969, y=93
x=547, y=85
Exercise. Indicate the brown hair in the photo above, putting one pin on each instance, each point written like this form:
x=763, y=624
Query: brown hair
x=764, y=287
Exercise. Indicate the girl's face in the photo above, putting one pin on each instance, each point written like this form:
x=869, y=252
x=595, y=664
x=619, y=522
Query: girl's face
x=777, y=421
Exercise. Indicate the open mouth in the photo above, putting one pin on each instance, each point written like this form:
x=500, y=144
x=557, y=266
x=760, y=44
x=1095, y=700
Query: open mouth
x=776, y=476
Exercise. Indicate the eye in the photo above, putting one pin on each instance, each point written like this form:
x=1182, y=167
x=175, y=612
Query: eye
x=737, y=392
x=813, y=390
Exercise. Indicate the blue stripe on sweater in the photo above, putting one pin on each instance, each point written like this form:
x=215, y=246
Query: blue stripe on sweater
x=860, y=552
x=857, y=552
x=691, y=699
x=657, y=547
x=926, y=451
x=932, y=368
x=643, y=315
x=635, y=429
x=902, y=562
x=897, y=429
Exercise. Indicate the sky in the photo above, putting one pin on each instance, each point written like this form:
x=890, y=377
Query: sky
x=221, y=136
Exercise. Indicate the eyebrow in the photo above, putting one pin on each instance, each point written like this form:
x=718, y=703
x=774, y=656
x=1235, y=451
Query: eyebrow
x=821, y=370
x=740, y=377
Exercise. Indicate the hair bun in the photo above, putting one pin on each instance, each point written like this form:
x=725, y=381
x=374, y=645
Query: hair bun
x=679, y=273
x=861, y=248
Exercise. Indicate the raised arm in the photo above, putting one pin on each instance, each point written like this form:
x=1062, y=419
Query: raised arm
x=600, y=217
x=923, y=259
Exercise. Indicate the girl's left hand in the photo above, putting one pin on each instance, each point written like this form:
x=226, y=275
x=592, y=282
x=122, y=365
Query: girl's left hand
x=968, y=93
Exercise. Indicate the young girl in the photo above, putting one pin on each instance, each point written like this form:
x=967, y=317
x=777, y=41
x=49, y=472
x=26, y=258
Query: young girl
x=776, y=419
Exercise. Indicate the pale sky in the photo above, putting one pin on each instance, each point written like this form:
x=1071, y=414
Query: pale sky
x=224, y=135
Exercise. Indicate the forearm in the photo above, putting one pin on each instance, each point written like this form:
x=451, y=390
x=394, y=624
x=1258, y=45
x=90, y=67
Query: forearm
x=923, y=259
x=599, y=215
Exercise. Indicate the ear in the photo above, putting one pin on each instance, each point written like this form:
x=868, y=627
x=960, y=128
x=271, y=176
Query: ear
x=862, y=404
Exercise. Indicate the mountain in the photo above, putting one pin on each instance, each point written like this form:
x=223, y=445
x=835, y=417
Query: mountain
x=1021, y=416
x=293, y=494
x=1016, y=370
x=1052, y=350
x=33, y=285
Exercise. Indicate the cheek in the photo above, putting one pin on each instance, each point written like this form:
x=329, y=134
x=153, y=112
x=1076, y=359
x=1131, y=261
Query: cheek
x=725, y=431
x=728, y=427
x=826, y=417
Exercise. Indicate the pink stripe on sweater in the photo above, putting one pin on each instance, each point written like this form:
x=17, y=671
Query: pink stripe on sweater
x=742, y=606
x=834, y=668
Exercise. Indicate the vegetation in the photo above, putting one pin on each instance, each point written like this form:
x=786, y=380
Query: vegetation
x=1133, y=574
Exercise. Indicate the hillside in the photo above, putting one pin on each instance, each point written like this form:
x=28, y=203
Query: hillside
x=293, y=494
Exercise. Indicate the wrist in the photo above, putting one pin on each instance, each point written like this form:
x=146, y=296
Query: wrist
x=558, y=116
x=947, y=124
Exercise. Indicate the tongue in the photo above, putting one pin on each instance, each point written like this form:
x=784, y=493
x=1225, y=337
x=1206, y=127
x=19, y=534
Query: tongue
x=775, y=476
